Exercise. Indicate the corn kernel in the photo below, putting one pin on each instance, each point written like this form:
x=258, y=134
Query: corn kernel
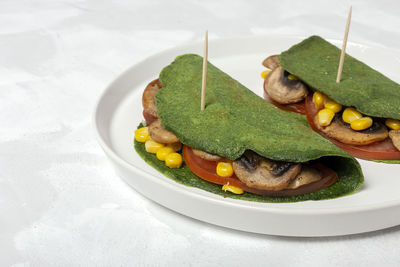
x=332, y=105
x=163, y=152
x=325, y=117
x=142, y=134
x=224, y=169
x=265, y=73
x=351, y=114
x=393, y=124
x=152, y=146
x=319, y=100
x=292, y=77
x=173, y=160
x=361, y=124
x=175, y=146
x=232, y=189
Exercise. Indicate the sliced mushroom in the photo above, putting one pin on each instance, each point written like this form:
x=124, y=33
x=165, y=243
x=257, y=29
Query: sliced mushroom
x=259, y=173
x=205, y=155
x=176, y=146
x=340, y=131
x=148, y=102
x=272, y=62
x=307, y=175
x=161, y=135
x=395, y=136
x=282, y=89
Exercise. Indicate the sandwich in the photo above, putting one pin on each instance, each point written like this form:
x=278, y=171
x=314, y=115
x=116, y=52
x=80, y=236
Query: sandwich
x=360, y=114
x=239, y=146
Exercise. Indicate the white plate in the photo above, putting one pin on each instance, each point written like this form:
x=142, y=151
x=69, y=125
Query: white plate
x=119, y=110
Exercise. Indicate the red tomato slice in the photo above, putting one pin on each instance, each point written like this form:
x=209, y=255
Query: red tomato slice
x=295, y=107
x=206, y=170
x=383, y=150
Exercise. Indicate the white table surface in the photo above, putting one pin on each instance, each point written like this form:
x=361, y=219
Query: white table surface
x=61, y=204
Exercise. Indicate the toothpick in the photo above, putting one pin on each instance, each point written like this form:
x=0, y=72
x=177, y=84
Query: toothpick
x=346, y=34
x=204, y=80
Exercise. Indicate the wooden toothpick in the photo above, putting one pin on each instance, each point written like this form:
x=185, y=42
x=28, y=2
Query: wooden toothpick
x=346, y=34
x=204, y=80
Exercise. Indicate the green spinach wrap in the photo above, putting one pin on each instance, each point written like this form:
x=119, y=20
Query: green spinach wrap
x=315, y=62
x=360, y=114
x=235, y=123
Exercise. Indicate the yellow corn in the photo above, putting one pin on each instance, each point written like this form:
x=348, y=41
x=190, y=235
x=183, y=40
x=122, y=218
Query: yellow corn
x=265, y=73
x=152, y=146
x=175, y=146
x=361, y=124
x=393, y=124
x=292, y=77
x=224, y=169
x=332, y=105
x=232, y=189
x=163, y=152
x=351, y=114
x=173, y=160
x=319, y=100
x=142, y=134
x=325, y=117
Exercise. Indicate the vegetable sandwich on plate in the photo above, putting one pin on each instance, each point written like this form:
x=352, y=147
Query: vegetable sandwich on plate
x=360, y=114
x=239, y=146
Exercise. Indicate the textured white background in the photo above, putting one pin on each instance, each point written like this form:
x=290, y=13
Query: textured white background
x=61, y=204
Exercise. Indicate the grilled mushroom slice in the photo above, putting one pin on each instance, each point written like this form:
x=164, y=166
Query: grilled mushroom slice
x=282, y=89
x=272, y=62
x=175, y=146
x=148, y=102
x=307, y=175
x=261, y=173
x=395, y=136
x=205, y=155
x=161, y=135
x=342, y=132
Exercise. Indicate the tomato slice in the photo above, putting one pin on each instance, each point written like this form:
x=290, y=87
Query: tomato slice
x=382, y=150
x=149, y=118
x=205, y=169
x=295, y=107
